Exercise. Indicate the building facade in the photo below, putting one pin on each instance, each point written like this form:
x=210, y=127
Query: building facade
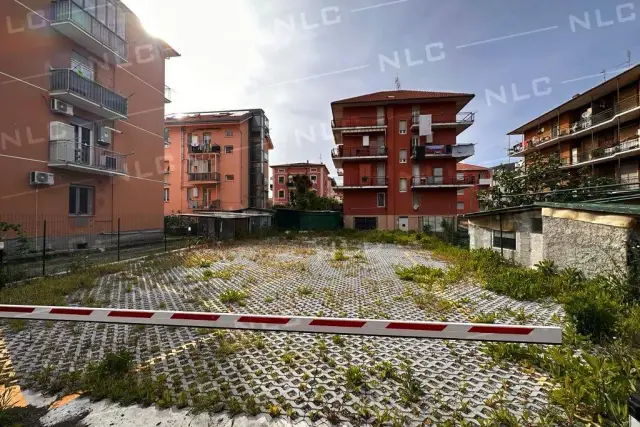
x=468, y=197
x=598, y=130
x=83, y=86
x=397, y=152
x=216, y=160
x=282, y=177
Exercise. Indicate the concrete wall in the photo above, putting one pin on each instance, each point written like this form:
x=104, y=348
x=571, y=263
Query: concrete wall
x=593, y=248
x=529, y=246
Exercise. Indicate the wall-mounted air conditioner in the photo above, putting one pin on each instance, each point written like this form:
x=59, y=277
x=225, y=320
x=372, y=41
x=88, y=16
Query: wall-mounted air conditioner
x=104, y=135
x=59, y=131
x=40, y=178
x=61, y=107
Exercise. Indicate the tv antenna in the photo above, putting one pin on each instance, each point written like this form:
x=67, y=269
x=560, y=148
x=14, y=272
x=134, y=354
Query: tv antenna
x=397, y=82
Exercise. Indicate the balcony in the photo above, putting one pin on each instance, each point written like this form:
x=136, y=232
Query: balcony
x=84, y=93
x=630, y=147
x=459, y=151
x=359, y=124
x=85, y=158
x=204, y=177
x=418, y=182
x=167, y=94
x=70, y=19
x=484, y=181
x=364, y=182
x=626, y=109
x=460, y=121
x=341, y=154
x=204, y=149
x=200, y=205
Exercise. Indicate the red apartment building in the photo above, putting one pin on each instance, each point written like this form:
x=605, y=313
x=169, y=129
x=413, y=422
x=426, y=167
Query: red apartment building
x=468, y=197
x=83, y=86
x=397, y=152
x=282, y=176
x=216, y=160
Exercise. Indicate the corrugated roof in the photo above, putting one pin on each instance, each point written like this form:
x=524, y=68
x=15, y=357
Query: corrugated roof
x=468, y=167
x=622, y=209
x=401, y=95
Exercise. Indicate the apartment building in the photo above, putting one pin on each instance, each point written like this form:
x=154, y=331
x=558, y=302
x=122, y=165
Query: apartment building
x=83, y=90
x=282, y=178
x=397, y=152
x=468, y=197
x=598, y=129
x=216, y=160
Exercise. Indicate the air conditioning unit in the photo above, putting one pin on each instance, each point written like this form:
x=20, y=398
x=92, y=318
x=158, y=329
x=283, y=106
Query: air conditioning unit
x=59, y=131
x=104, y=135
x=108, y=162
x=61, y=107
x=40, y=178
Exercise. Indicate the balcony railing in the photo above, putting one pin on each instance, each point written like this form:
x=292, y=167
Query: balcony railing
x=74, y=155
x=201, y=205
x=350, y=122
x=67, y=81
x=430, y=180
x=204, y=149
x=372, y=151
x=69, y=11
x=462, y=118
x=578, y=126
x=605, y=150
x=365, y=181
x=204, y=176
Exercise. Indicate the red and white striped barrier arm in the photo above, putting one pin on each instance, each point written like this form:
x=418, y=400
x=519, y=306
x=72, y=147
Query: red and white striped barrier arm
x=326, y=325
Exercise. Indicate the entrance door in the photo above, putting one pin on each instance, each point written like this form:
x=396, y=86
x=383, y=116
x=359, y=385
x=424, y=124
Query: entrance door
x=206, y=196
x=415, y=174
x=574, y=156
x=380, y=174
x=403, y=223
x=82, y=145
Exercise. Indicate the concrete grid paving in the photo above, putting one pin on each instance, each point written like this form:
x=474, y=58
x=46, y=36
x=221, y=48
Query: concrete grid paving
x=304, y=374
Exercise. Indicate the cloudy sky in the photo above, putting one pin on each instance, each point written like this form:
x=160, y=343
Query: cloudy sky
x=293, y=57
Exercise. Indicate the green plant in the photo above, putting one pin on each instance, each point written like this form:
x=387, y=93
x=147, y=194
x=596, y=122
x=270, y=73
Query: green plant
x=338, y=340
x=594, y=311
x=305, y=290
x=484, y=318
x=233, y=296
x=354, y=377
x=339, y=255
x=546, y=267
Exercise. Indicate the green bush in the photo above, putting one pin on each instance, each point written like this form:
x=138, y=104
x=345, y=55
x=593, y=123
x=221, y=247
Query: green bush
x=594, y=311
x=521, y=284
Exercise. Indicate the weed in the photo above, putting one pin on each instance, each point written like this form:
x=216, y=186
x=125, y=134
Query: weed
x=274, y=410
x=232, y=296
x=338, y=340
x=305, y=290
x=268, y=300
x=354, y=378
x=17, y=325
x=484, y=318
x=162, y=306
x=339, y=255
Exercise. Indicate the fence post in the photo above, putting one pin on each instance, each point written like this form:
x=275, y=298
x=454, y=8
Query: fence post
x=118, y=239
x=44, y=248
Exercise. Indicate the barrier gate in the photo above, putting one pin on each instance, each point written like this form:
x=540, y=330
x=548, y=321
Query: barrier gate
x=325, y=325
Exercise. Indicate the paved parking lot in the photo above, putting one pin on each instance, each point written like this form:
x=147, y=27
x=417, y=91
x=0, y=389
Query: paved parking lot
x=308, y=377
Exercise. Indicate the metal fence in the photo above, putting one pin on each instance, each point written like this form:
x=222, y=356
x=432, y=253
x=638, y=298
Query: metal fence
x=32, y=246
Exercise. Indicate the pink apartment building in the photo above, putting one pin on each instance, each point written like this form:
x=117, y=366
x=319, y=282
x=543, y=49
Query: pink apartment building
x=283, y=174
x=216, y=160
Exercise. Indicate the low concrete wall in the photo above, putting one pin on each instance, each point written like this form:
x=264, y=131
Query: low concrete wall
x=593, y=248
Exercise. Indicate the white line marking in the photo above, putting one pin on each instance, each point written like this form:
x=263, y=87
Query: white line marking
x=375, y=6
x=316, y=76
x=620, y=70
x=22, y=81
x=540, y=30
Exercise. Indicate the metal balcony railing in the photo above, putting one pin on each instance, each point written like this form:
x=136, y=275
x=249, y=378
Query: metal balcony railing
x=69, y=81
x=64, y=152
x=348, y=122
x=371, y=151
x=578, y=126
x=204, y=176
x=69, y=10
x=605, y=150
x=431, y=180
x=365, y=181
x=204, y=149
x=463, y=118
x=202, y=205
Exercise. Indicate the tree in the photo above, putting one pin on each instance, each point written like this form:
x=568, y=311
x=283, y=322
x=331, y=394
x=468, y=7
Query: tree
x=302, y=199
x=541, y=180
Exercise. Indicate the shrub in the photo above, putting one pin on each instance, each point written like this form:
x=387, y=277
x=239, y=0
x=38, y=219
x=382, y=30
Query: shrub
x=546, y=267
x=594, y=310
x=521, y=284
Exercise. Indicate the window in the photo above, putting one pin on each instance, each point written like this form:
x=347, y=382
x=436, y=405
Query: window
x=82, y=65
x=403, y=127
x=281, y=179
x=403, y=185
x=228, y=149
x=536, y=225
x=121, y=22
x=101, y=12
x=416, y=200
x=80, y=200
x=166, y=194
x=314, y=169
x=365, y=140
x=228, y=177
x=382, y=200
x=90, y=6
x=460, y=176
x=314, y=178
x=437, y=171
x=280, y=194
x=460, y=206
x=111, y=16
x=280, y=170
x=403, y=156
x=228, y=133
x=508, y=240
x=206, y=138
x=415, y=141
x=461, y=192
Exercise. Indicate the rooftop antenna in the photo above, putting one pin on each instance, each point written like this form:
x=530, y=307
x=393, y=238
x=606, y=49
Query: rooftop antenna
x=397, y=81
x=628, y=58
x=604, y=74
